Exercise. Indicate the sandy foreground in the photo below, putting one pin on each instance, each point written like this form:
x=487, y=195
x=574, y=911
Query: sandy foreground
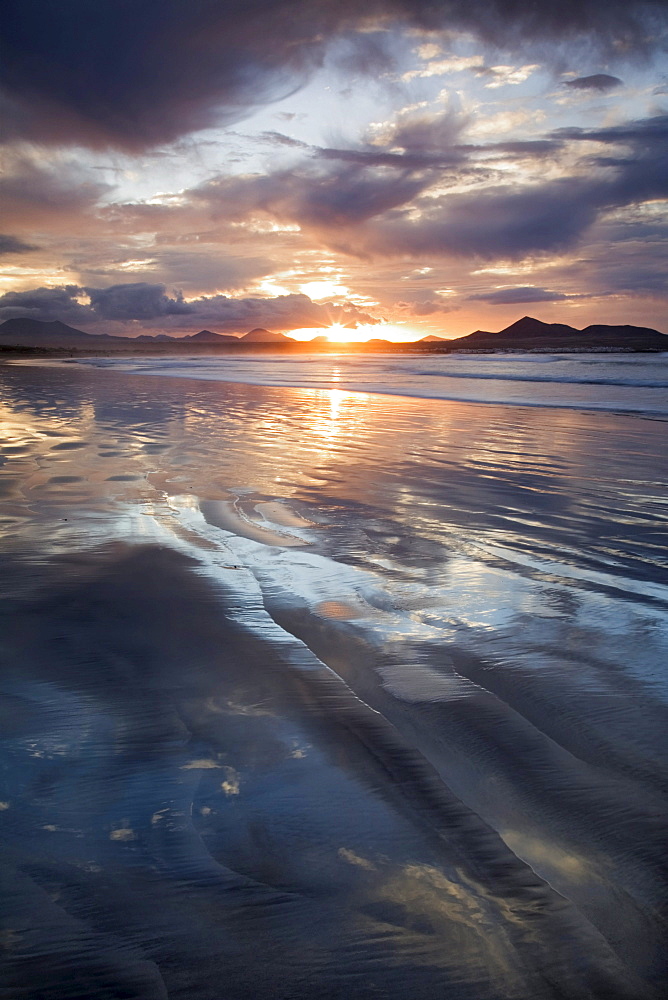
x=324, y=694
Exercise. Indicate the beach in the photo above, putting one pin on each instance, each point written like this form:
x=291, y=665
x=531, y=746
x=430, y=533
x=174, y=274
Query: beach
x=342, y=678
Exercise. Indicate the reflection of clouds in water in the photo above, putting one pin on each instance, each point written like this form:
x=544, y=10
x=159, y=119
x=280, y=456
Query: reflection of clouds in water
x=123, y=833
x=552, y=856
x=443, y=921
x=200, y=765
x=231, y=784
x=355, y=859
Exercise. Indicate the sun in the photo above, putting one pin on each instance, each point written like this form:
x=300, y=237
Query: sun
x=340, y=334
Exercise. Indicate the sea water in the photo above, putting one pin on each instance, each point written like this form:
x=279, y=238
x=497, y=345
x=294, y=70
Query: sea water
x=623, y=382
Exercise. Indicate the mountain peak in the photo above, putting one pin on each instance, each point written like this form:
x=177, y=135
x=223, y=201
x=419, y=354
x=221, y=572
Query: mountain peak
x=261, y=336
x=210, y=337
x=36, y=332
x=530, y=327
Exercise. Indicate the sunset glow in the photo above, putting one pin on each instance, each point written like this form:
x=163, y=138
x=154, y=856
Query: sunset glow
x=486, y=164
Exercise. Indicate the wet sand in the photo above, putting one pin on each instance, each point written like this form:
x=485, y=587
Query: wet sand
x=309, y=694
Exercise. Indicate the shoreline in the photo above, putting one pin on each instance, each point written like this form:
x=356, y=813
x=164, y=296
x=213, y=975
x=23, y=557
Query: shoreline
x=353, y=383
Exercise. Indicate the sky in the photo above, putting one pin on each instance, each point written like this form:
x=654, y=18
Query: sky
x=385, y=168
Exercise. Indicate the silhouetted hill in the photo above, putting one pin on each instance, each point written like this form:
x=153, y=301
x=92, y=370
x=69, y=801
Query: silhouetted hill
x=262, y=336
x=208, y=337
x=631, y=332
x=530, y=327
x=28, y=332
x=529, y=333
x=432, y=339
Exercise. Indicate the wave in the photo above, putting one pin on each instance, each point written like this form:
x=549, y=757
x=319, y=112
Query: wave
x=552, y=381
x=561, y=379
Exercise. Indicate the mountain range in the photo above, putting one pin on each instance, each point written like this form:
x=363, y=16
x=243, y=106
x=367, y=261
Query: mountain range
x=26, y=332
x=525, y=334
x=531, y=333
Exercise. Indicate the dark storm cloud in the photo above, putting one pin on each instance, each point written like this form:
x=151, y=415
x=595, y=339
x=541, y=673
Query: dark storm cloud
x=137, y=300
x=133, y=75
x=513, y=221
x=500, y=222
x=284, y=312
x=11, y=244
x=497, y=222
x=639, y=168
x=46, y=304
x=645, y=134
x=149, y=308
x=525, y=148
x=599, y=81
x=433, y=143
x=527, y=293
x=423, y=142
x=344, y=194
x=375, y=157
x=371, y=201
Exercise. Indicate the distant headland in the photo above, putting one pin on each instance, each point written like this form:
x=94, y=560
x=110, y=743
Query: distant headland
x=23, y=335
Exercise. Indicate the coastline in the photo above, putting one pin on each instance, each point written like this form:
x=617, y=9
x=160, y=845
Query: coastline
x=623, y=383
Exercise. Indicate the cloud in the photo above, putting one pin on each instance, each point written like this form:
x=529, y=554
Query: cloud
x=429, y=133
x=513, y=220
x=526, y=293
x=643, y=133
x=313, y=194
x=640, y=173
x=46, y=304
x=134, y=77
x=425, y=307
x=496, y=222
x=525, y=148
x=374, y=202
x=11, y=244
x=599, y=81
x=139, y=300
x=41, y=194
x=284, y=312
x=279, y=139
x=142, y=306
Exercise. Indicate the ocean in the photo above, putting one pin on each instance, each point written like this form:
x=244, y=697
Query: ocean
x=621, y=382
x=335, y=676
